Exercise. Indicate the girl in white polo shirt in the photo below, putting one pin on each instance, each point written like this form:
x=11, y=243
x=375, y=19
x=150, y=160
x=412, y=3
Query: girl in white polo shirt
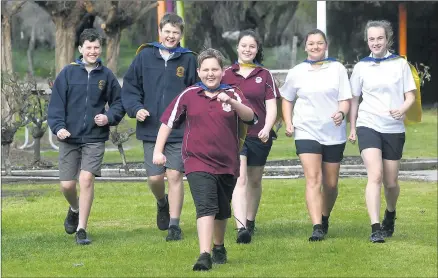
x=388, y=90
x=323, y=91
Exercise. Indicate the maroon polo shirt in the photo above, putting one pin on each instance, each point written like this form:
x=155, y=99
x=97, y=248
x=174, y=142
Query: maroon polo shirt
x=258, y=87
x=210, y=142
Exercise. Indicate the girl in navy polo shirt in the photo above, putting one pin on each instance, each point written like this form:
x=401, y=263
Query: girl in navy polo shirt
x=258, y=86
x=211, y=112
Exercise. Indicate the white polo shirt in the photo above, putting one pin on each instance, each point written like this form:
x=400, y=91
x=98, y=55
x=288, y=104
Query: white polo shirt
x=382, y=86
x=319, y=92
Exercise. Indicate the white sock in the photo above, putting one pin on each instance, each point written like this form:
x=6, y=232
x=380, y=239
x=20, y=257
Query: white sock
x=74, y=210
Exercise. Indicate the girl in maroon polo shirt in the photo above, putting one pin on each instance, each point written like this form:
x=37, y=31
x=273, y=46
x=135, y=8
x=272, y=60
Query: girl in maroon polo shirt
x=258, y=86
x=211, y=112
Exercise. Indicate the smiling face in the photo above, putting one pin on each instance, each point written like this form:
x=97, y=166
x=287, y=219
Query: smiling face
x=247, y=49
x=90, y=51
x=377, y=41
x=315, y=47
x=210, y=73
x=170, y=35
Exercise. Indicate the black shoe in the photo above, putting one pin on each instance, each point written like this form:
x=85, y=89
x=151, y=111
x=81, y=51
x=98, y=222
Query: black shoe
x=163, y=216
x=388, y=224
x=377, y=237
x=173, y=233
x=325, y=226
x=317, y=235
x=243, y=236
x=71, y=221
x=250, y=226
x=219, y=255
x=203, y=263
x=81, y=237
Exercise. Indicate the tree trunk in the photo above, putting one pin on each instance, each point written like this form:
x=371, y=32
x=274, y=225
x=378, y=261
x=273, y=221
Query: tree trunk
x=123, y=156
x=36, y=150
x=30, y=51
x=7, y=65
x=64, y=40
x=6, y=148
x=112, y=50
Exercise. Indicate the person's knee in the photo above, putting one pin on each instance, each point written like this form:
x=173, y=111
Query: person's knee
x=86, y=179
x=242, y=181
x=174, y=178
x=255, y=183
x=313, y=180
x=331, y=185
x=390, y=183
x=68, y=185
x=156, y=180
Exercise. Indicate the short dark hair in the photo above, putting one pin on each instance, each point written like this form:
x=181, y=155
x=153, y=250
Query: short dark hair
x=211, y=53
x=173, y=19
x=314, y=32
x=259, y=56
x=90, y=35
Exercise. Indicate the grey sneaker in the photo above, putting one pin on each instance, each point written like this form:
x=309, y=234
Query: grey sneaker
x=203, y=263
x=317, y=235
x=377, y=237
x=81, y=237
x=219, y=255
x=173, y=233
x=71, y=221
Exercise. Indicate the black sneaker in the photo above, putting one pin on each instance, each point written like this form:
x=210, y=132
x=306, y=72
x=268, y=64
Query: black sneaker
x=250, y=226
x=219, y=255
x=173, y=233
x=163, y=216
x=71, y=221
x=325, y=226
x=81, y=237
x=388, y=224
x=243, y=236
x=377, y=237
x=317, y=235
x=203, y=263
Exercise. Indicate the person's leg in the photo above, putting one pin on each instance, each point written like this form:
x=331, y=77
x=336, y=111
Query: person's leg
x=239, y=200
x=390, y=182
x=311, y=163
x=86, y=183
x=205, y=226
x=254, y=190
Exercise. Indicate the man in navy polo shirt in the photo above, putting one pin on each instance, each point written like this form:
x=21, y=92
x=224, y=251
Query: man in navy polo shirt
x=211, y=112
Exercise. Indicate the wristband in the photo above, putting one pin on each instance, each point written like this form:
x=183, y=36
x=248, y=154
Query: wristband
x=343, y=115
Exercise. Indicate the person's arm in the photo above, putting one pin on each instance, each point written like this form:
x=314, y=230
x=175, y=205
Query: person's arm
x=409, y=88
x=132, y=90
x=271, y=95
x=244, y=112
x=356, y=91
x=288, y=93
x=163, y=134
x=344, y=97
x=116, y=111
x=57, y=104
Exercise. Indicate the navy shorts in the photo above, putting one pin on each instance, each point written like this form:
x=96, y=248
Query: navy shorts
x=256, y=151
x=212, y=194
x=391, y=144
x=330, y=153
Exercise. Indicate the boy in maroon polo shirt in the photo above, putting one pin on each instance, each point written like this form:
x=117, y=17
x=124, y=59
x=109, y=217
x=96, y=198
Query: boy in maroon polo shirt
x=211, y=112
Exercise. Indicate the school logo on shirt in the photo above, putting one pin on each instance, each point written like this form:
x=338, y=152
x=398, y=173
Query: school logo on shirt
x=180, y=71
x=258, y=79
x=226, y=107
x=101, y=84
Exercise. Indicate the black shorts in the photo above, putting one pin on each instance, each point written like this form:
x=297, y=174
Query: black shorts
x=212, y=194
x=256, y=151
x=330, y=153
x=391, y=144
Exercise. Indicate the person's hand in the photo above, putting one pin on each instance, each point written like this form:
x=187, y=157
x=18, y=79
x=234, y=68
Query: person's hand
x=63, y=133
x=142, y=114
x=159, y=159
x=101, y=119
x=352, y=137
x=224, y=98
x=289, y=130
x=264, y=135
x=337, y=118
x=396, y=114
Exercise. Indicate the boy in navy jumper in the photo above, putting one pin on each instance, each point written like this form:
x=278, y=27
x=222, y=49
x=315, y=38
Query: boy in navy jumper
x=159, y=72
x=77, y=116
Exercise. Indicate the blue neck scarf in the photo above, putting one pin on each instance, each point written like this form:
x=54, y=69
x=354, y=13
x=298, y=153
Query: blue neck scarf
x=378, y=60
x=220, y=87
x=320, y=62
x=178, y=48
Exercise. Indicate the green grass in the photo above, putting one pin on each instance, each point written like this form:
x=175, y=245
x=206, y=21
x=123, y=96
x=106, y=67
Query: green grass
x=126, y=241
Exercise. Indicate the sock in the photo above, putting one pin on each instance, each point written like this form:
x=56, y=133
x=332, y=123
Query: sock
x=375, y=227
x=390, y=214
x=162, y=202
x=218, y=246
x=325, y=218
x=317, y=226
x=74, y=210
x=249, y=222
x=174, y=222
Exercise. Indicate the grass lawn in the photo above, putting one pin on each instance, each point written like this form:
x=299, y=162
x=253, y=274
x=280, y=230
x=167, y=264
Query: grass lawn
x=420, y=142
x=127, y=242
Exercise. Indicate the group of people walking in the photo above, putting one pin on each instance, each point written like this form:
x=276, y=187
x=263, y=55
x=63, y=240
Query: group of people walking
x=214, y=125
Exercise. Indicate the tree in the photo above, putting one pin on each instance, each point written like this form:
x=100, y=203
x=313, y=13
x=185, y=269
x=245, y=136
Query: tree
x=66, y=15
x=117, y=16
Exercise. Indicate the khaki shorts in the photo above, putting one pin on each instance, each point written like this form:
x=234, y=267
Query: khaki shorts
x=173, y=154
x=81, y=156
